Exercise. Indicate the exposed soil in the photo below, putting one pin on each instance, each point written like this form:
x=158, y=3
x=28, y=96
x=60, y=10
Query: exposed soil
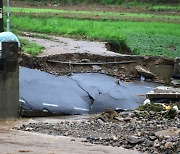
x=63, y=56
x=90, y=7
x=102, y=8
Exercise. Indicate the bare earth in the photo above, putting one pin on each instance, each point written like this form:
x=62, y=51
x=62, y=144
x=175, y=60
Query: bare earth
x=61, y=45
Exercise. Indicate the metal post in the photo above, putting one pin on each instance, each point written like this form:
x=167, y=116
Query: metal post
x=1, y=16
x=8, y=17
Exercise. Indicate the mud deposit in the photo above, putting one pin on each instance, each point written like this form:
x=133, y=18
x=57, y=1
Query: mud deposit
x=139, y=130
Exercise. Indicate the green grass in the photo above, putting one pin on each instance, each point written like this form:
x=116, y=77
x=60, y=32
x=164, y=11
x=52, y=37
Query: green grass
x=143, y=38
x=165, y=8
x=105, y=2
x=30, y=48
x=116, y=15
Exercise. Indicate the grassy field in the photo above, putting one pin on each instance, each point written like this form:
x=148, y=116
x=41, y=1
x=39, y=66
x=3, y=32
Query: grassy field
x=105, y=2
x=143, y=38
x=99, y=15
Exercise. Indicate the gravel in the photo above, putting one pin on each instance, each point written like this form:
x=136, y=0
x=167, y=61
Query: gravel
x=139, y=130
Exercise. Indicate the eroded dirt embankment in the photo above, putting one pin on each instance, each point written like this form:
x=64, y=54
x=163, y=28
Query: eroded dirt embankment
x=123, y=67
x=63, y=56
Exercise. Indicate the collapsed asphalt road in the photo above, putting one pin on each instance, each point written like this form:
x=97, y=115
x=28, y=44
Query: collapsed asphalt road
x=77, y=94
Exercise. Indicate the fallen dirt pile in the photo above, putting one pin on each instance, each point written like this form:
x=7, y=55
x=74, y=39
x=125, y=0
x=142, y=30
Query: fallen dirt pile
x=139, y=130
x=122, y=67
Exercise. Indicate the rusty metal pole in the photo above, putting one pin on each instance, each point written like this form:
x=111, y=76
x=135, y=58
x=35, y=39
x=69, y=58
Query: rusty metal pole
x=1, y=16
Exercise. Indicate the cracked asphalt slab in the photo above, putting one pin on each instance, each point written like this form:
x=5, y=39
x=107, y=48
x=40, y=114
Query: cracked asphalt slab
x=78, y=93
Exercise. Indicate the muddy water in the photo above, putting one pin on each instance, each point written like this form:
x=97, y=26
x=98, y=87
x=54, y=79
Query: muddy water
x=14, y=141
x=60, y=45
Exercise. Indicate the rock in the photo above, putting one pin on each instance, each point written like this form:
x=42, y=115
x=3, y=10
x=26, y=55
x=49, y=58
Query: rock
x=73, y=140
x=176, y=109
x=114, y=138
x=156, y=144
x=103, y=72
x=139, y=134
x=99, y=121
x=144, y=71
x=168, y=145
x=134, y=139
x=119, y=119
x=96, y=68
x=128, y=119
x=117, y=144
x=151, y=133
x=66, y=134
x=175, y=82
x=152, y=138
x=147, y=101
x=177, y=67
x=85, y=60
x=168, y=132
x=149, y=143
x=28, y=129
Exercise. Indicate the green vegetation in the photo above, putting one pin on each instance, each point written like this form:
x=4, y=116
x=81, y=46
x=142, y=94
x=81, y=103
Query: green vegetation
x=151, y=107
x=105, y=2
x=99, y=15
x=143, y=38
x=165, y=8
x=30, y=48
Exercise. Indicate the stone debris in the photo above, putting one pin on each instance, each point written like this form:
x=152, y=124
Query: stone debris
x=175, y=82
x=96, y=68
x=170, y=132
x=145, y=72
x=145, y=131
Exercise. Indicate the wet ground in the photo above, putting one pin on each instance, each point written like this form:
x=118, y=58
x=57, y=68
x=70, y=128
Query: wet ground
x=13, y=141
x=61, y=45
x=145, y=131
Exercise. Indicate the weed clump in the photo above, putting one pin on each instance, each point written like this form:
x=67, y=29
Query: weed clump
x=151, y=107
x=169, y=111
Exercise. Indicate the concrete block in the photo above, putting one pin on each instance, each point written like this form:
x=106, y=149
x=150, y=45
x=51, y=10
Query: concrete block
x=163, y=92
x=9, y=81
